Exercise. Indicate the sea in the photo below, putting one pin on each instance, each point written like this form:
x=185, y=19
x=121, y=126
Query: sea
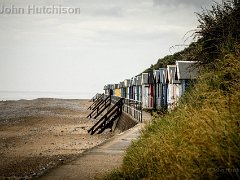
x=30, y=95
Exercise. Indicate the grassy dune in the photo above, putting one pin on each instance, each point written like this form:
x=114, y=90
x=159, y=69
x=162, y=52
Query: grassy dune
x=200, y=139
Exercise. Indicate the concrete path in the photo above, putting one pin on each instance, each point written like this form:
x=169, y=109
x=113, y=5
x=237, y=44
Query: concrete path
x=99, y=160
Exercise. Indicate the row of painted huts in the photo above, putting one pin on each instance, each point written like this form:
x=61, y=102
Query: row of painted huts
x=159, y=88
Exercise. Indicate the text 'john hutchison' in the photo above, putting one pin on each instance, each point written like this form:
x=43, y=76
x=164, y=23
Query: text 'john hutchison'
x=33, y=9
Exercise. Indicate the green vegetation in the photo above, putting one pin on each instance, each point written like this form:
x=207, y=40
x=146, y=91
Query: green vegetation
x=167, y=60
x=218, y=30
x=185, y=54
x=200, y=139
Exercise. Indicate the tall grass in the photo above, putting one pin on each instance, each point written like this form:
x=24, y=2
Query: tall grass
x=200, y=139
x=219, y=27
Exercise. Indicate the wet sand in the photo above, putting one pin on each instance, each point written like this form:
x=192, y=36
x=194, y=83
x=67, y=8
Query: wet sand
x=38, y=135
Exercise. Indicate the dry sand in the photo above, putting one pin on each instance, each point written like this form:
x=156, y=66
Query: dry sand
x=37, y=135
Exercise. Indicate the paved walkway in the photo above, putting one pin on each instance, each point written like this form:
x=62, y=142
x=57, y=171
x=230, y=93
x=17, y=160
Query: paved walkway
x=100, y=159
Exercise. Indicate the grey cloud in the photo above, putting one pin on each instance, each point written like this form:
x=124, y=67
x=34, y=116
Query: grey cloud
x=129, y=32
x=108, y=11
x=195, y=3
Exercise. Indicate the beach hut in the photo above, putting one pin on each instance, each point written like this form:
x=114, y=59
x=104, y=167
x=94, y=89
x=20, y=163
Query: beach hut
x=139, y=88
x=127, y=86
x=109, y=89
x=122, y=89
x=133, y=85
x=131, y=92
x=135, y=88
x=186, y=73
x=151, y=92
x=117, y=91
x=145, y=90
x=105, y=89
x=131, y=89
x=173, y=87
x=157, y=99
x=163, y=87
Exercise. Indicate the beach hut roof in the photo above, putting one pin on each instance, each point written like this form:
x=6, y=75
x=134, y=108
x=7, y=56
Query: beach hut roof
x=162, y=75
x=116, y=86
x=121, y=84
x=139, y=80
x=171, y=71
x=110, y=86
x=127, y=82
x=105, y=87
x=144, y=78
x=131, y=81
x=134, y=81
x=150, y=78
x=156, y=74
x=186, y=70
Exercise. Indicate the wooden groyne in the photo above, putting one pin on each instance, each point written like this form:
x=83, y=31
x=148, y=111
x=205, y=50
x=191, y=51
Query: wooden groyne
x=115, y=113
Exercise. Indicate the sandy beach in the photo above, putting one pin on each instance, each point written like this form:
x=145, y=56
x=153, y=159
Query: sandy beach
x=37, y=135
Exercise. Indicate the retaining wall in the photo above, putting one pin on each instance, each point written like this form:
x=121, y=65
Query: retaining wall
x=124, y=123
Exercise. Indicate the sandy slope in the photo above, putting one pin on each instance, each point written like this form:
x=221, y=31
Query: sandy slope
x=43, y=133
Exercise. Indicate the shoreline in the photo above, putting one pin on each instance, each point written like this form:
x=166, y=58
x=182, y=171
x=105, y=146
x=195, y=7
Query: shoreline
x=38, y=135
x=44, y=98
x=32, y=95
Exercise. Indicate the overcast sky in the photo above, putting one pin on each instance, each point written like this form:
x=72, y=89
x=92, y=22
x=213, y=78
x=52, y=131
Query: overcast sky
x=109, y=41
